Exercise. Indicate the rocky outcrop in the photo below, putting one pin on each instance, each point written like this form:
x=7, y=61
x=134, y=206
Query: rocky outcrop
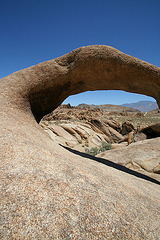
x=142, y=156
x=115, y=124
x=127, y=127
x=78, y=135
x=110, y=132
x=151, y=131
x=49, y=192
x=64, y=112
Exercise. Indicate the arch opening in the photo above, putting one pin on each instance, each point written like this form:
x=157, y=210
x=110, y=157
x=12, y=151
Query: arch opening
x=141, y=114
x=88, y=69
x=113, y=97
x=95, y=129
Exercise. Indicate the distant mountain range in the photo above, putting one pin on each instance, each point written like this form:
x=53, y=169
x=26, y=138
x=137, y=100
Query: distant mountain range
x=143, y=106
x=108, y=107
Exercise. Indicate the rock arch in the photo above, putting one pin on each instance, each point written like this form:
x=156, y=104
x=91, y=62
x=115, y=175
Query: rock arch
x=50, y=193
x=46, y=85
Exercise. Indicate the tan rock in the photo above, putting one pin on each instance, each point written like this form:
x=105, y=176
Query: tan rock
x=80, y=132
x=69, y=129
x=97, y=139
x=140, y=136
x=131, y=137
x=59, y=131
x=156, y=169
x=127, y=127
x=102, y=127
x=115, y=124
x=49, y=192
x=137, y=137
x=145, y=154
x=117, y=145
x=95, y=128
x=116, y=136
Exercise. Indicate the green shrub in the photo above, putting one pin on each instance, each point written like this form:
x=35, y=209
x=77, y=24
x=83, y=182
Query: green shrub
x=105, y=146
x=95, y=150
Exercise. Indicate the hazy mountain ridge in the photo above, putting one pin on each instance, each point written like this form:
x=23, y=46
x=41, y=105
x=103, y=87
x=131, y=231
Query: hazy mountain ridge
x=108, y=107
x=143, y=106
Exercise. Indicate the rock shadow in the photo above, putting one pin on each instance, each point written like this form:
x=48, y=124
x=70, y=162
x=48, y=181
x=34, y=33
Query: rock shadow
x=112, y=164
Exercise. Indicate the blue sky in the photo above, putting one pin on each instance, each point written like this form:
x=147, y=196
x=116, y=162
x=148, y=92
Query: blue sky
x=34, y=31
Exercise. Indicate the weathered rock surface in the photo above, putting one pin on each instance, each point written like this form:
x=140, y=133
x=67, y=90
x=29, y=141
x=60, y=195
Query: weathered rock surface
x=142, y=156
x=84, y=125
x=47, y=191
x=92, y=137
x=63, y=112
x=127, y=127
x=114, y=124
x=77, y=135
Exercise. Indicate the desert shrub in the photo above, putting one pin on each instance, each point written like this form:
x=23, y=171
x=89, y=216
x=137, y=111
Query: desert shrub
x=95, y=150
x=105, y=146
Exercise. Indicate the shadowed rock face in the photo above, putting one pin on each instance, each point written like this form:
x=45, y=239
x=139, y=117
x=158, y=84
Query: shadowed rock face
x=51, y=193
x=152, y=131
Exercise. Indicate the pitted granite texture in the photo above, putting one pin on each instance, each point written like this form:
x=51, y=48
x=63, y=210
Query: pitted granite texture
x=50, y=192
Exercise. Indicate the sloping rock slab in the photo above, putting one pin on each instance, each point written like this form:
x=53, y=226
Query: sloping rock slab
x=52, y=192
x=142, y=156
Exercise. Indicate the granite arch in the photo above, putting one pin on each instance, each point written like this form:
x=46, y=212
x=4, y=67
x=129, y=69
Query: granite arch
x=47, y=192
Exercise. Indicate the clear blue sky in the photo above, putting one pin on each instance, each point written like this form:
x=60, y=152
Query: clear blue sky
x=34, y=31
